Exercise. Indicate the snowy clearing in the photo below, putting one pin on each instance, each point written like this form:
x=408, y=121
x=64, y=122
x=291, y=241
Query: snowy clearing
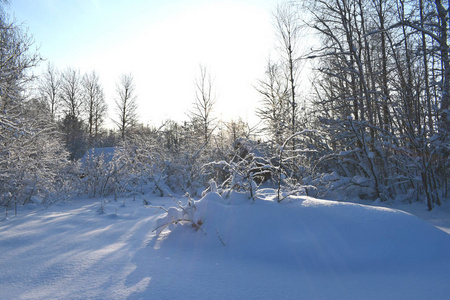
x=302, y=248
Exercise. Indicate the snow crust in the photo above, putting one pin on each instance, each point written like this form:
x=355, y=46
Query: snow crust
x=301, y=248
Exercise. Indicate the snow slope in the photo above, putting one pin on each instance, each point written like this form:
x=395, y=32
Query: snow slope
x=439, y=216
x=302, y=248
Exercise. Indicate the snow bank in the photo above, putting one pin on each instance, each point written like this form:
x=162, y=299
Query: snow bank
x=307, y=233
x=302, y=248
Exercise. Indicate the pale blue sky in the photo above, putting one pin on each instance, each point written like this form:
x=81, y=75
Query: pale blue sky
x=162, y=44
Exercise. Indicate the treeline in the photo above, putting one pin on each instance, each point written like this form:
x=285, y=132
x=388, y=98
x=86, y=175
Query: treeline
x=76, y=103
x=374, y=125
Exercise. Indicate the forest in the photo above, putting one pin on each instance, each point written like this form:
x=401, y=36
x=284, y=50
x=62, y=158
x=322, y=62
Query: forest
x=374, y=122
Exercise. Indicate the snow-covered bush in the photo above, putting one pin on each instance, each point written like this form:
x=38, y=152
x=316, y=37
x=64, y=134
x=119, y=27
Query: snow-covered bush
x=182, y=214
x=32, y=163
x=184, y=173
x=295, y=163
x=97, y=172
x=139, y=165
x=202, y=216
x=246, y=169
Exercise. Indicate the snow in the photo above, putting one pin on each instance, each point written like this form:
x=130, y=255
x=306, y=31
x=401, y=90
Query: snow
x=107, y=152
x=439, y=216
x=301, y=248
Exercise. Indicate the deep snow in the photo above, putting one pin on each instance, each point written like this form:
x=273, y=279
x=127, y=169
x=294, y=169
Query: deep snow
x=302, y=248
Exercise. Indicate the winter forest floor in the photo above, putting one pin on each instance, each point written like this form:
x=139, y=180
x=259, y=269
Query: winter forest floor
x=302, y=248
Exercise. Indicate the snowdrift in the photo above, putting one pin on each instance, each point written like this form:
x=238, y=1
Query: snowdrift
x=226, y=248
x=305, y=233
x=305, y=248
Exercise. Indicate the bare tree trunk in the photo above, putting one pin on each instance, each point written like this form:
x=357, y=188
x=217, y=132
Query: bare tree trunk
x=384, y=59
x=444, y=48
x=426, y=71
x=288, y=30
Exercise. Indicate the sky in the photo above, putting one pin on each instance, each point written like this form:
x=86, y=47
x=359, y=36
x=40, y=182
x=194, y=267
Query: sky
x=162, y=44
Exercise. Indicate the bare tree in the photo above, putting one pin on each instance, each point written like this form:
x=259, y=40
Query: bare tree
x=288, y=29
x=443, y=15
x=274, y=111
x=126, y=104
x=50, y=89
x=71, y=92
x=94, y=104
x=204, y=104
x=100, y=112
x=72, y=124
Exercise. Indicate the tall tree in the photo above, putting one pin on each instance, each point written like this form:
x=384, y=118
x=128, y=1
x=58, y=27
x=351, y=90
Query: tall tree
x=50, y=89
x=72, y=124
x=71, y=92
x=126, y=104
x=94, y=104
x=202, y=113
x=442, y=39
x=274, y=109
x=288, y=29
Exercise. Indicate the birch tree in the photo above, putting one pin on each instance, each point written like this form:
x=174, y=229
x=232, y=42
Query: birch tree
x=72, y=124
x=275, y=105
x=71, y=92
x=288, y=29
x=202, y=113
x=50, y=90
x=125, y=104
x=94, y=104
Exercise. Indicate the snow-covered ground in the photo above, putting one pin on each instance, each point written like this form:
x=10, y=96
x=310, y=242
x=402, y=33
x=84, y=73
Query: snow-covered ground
x=302, y=248
x=439, y=216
